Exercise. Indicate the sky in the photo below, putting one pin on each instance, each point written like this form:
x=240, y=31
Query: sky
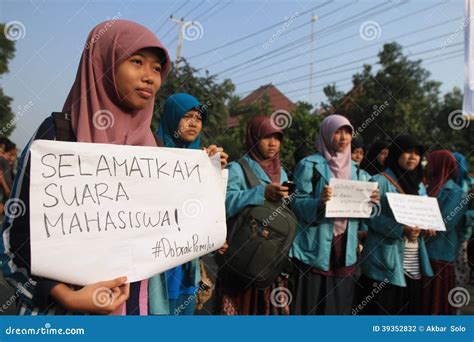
x=250, y=42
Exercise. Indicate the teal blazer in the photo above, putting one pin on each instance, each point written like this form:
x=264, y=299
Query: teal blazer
x=239, y=195
x=384, y=247
x=313, y=241
x=452, y=201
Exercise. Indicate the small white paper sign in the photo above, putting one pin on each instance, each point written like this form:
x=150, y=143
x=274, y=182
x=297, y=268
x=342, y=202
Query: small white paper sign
x=350, y=198
x=416, y=211
x=100, y=211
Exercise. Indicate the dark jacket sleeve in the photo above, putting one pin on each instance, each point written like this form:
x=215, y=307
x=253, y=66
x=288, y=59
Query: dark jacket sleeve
x=15, y=244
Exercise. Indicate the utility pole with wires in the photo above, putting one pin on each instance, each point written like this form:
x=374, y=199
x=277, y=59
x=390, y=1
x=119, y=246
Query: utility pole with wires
x=313, y=20
x=180, y=23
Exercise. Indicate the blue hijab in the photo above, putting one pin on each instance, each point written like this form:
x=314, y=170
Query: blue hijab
x=180, y=280
x=463, y=172
x=176, y=106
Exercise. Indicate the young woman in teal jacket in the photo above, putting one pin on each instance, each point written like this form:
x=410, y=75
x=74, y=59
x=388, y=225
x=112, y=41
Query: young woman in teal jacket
x=325, y=249
x=263, y=143
x=443, y=246
x=394, y=256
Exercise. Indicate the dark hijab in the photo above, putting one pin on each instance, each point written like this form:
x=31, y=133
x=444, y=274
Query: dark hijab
x=408, y=180
x=370, y=163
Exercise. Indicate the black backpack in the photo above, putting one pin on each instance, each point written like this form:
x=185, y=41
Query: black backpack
x=259, y=239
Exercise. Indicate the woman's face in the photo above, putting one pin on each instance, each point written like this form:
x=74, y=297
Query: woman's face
x=269, y=145
x=138, y=78
x=409, y=159
x=189, y=126
x=341, y=139
x=382, y=156
x=357, y=155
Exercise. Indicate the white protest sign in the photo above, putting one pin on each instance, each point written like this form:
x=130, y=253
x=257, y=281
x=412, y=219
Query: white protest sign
x=100, y=211
x=350, y=198
x=416, y=211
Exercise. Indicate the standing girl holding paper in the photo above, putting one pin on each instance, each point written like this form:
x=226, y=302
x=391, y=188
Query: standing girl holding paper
x=111, y=101
x=443, y=247
x=181, y=126
x=394, y=256
x=324, y=251
x=263, y=141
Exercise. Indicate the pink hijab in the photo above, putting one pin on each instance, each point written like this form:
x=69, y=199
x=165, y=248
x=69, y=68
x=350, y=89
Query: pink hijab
x=93, y=102
x=339, y=163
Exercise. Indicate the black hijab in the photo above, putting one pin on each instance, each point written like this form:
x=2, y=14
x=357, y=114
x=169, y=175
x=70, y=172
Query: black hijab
x=408, y=180
x=370, y=163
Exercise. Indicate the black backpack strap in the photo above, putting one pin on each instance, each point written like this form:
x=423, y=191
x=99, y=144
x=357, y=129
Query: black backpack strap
x=249, y=174
x=63, y=125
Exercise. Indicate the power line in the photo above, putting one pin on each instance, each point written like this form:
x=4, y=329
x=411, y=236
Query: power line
x=193, y=9
x=306, y=77
x=346, y=81
x=208, y=9
x=290, y=45
x=211, y=14
x=357, y=49
x=164, y=21
x=256, y=33
x=291, y=48
x=226, y=58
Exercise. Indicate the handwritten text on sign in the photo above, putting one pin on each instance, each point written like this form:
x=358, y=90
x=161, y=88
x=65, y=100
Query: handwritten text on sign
x=350, y=198
x=101, y=211
x=416, y=211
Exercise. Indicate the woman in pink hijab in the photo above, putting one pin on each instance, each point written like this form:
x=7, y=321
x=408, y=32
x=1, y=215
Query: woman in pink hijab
x=324, y=250
x=111, y=101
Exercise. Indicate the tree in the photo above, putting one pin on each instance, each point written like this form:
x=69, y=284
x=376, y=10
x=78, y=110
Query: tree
x=7, y=52
x=400, y=98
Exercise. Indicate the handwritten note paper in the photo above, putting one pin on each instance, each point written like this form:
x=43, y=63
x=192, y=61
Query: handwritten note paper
x=416, y=211
x=101, y=211
x=350, y=198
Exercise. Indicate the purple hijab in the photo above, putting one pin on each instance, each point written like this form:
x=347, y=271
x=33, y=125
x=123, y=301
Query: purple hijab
x=339, y=163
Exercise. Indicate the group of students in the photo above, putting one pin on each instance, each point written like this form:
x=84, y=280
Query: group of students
x=121, y=71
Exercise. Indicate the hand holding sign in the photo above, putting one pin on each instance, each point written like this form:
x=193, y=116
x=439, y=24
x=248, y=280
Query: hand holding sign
x=350, y=198
x=101, y=211
x=416, y=211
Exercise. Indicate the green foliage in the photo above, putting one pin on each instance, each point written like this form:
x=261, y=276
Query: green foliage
x=400, y=98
